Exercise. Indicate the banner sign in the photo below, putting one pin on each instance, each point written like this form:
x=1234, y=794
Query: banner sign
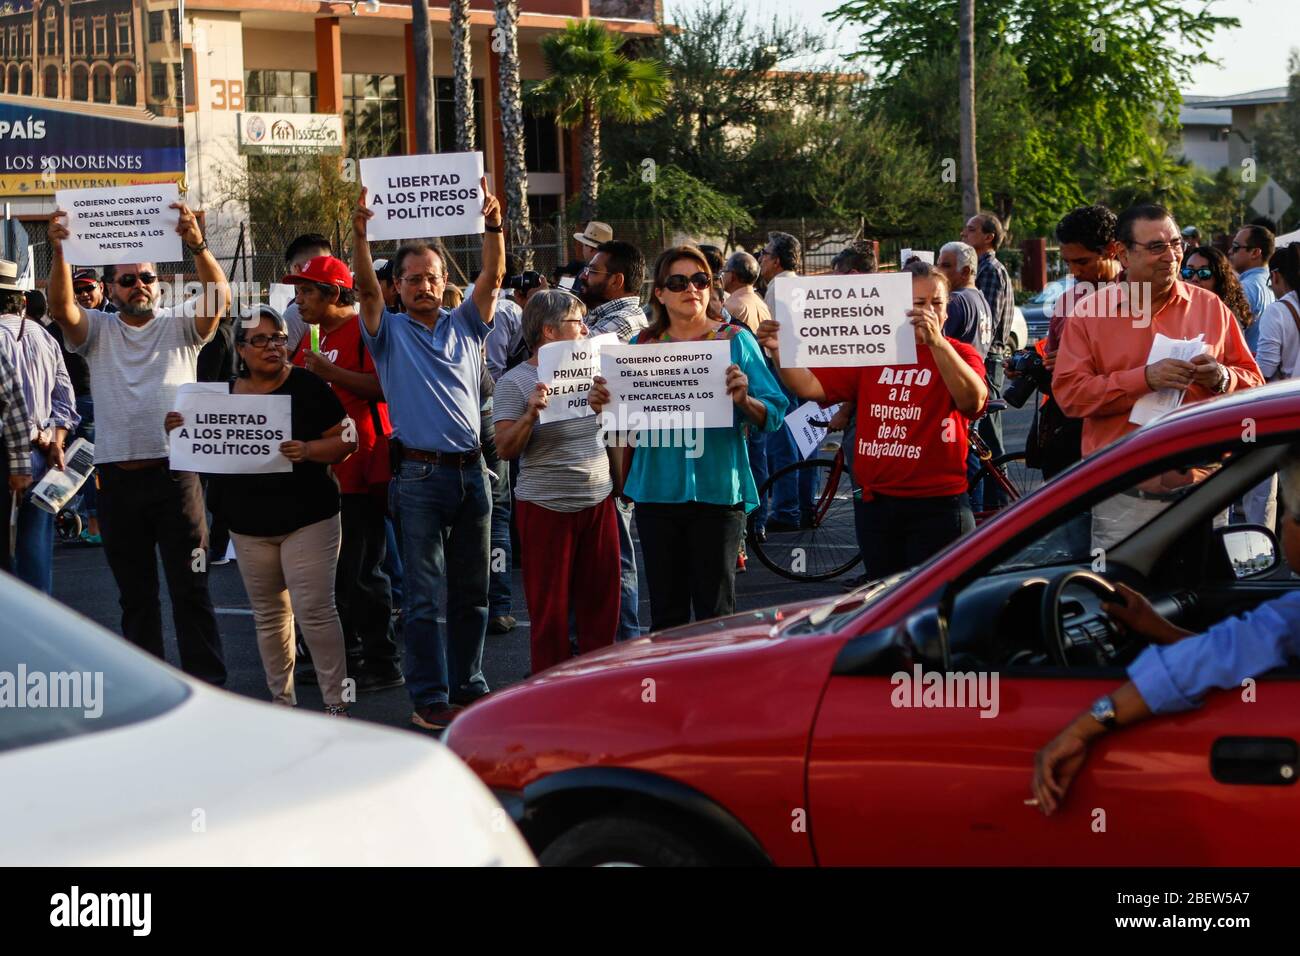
x=845, y=321
x=567, y=368
x=414, y=197
x=228, y=434
x=290, y=134
x=668, y=386
x=807, y=436
x=125, y=224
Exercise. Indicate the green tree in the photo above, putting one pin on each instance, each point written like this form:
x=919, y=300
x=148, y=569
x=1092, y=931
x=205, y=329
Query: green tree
x=1278, y=136
x=590, y=80
x=1098, y=68
x=684, y=203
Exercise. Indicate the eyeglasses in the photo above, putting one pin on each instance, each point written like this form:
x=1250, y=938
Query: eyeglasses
x=128, y=280
x=1202, y=273
x=678, y=283
x=276, y=340
x=1159, y=247
x=589, y=271
x=1238, y=245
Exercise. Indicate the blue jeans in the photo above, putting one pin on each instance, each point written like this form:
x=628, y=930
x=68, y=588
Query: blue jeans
x=34, y=553
x=499, y=576
x=445, y=517
x=87, y=504
x=629, y=620
x=758, y=442
x=393, y=561
x=792, y=495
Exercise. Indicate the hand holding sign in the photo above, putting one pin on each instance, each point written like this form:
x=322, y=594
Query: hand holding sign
x=538, y=401
x=187, y=226
x=929, y=328
x=737, y=386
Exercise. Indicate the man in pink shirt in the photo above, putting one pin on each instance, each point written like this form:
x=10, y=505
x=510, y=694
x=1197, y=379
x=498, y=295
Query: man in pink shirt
x=1101, y=369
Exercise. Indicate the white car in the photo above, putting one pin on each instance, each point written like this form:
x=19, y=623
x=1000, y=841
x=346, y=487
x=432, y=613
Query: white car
x=1019, y=335
x=144, y=766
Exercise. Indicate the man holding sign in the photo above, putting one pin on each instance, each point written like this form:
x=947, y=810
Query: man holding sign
x=568, y=525
x=910, y=455
x=430, y=363
x=138, y=357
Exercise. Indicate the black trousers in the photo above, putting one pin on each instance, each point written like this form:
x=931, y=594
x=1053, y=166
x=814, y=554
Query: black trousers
x=155, y=508
x=690, y=559
x=900, y=533
x=361, y=588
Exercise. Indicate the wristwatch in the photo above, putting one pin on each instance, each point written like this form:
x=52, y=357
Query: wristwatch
x=488, y=227
x=195, y=250
x=1222, y=385
x=1103, y=711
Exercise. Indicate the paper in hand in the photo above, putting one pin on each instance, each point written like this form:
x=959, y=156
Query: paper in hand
x=1152, y=406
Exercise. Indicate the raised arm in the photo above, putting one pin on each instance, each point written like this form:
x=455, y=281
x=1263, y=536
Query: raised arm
x=799, y=380
x=60, y=299
x=370, y=297
x=215, y=298
x=494, y=257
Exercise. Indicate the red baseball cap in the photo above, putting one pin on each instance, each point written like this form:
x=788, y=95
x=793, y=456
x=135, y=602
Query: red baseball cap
x=323, y=269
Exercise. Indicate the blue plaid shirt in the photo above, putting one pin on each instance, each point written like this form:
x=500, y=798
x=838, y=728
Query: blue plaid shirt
x=993, y=280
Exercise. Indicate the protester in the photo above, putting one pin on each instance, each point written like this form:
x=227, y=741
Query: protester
x=791, y=504
x=216, y=363
x=968, y=318
x=16, y=456
x=384, y=273
x=1278, y=356
x=430, y=365
x=500, y=618
x=691, y=504
x=138, y=357
x=1191, y=239
x=592, y=235
x=1178, y=668
x=1250, y=251
x=984, y=233
x=505, y=324
x=568, y=532
x=285, y=526
x=912, y=505
x=452, y=297
x=89, y=291
x=743, y=304
x=717, y=295
x=326, y=299
x=51, y=407
x=1209, y=269
x=301, y=250
x=1102, y=369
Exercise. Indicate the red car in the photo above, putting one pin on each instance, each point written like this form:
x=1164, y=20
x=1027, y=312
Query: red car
x=812, y=733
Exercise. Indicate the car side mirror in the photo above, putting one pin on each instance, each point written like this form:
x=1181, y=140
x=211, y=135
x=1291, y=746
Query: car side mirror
x=1251, y=549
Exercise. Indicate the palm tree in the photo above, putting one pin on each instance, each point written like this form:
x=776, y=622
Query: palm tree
x=591, y=80
x=422, y=43
x=462, y=75
x=970, y=179
x=506, y=42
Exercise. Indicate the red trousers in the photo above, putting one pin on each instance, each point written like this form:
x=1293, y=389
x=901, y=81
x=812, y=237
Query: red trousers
x=570, y=562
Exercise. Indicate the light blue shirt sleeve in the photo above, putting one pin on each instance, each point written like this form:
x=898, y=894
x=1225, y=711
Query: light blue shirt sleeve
x=1175, y=677
x=63, y=411
x=747, y=353
x=505, y=326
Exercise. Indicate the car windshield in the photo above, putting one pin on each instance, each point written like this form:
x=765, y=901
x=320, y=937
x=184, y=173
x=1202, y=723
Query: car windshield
x=62, y=676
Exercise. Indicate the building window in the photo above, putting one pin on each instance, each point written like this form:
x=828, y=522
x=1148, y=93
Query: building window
x=80, y=83
x=280, y=91
x=445, y=105
x=50, y=85
x=126, y=86
x=158, y=81
x=541, y=143
x=102, y=85
x=27, y=40
x=51, y=31
x=78, y=37
x=155, y=26
x=178, y=81
x=123, y=33
x=101, y=37
x=176, y=25
x=374, y=114
x=13, y=41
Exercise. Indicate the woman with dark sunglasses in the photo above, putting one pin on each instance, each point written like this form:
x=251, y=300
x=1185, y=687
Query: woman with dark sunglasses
x=1207, y=267
x=692, y=500
x=286, y=527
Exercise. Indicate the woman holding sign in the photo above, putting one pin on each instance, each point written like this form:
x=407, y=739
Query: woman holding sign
x=568, y=526
x=910, y=459
x=285, y=526
x=693, y=486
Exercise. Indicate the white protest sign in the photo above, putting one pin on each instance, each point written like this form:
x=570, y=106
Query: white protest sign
x=567, y=368
x=807, y=436
x=121, y=224
x=905, y=254
x=845, y=321
x=435, y=194
x=282, y=293
x=677, y=385
x=228, y=434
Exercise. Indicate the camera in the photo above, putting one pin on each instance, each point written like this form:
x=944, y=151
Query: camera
x=525, y=282
x=1031, y=375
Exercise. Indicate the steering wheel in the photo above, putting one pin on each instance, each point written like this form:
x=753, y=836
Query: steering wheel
x=1052, y=625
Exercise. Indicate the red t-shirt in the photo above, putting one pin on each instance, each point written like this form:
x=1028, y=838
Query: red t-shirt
x=911, y=440
x=367, y=469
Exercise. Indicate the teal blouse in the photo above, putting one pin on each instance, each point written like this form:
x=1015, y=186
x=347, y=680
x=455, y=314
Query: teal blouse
x=720, y=475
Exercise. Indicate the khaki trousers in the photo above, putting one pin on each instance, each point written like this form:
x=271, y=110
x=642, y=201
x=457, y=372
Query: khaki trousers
x=287, y=576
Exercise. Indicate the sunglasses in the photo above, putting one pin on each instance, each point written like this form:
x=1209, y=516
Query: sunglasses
x=276, y=340
x=1201, y=273
x=679, y=283
x=1236, y=246
x=128, y=281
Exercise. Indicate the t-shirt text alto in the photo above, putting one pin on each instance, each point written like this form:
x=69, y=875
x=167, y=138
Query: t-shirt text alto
x=911, y=439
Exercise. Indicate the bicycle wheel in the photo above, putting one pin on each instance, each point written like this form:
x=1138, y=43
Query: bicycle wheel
x=1019, y=479
x=830, y=547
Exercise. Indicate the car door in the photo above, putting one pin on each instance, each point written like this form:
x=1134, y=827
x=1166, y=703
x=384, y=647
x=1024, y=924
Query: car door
x=892, y=784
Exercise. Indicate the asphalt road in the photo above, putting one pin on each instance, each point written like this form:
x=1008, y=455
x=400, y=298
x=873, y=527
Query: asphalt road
x=83, y=582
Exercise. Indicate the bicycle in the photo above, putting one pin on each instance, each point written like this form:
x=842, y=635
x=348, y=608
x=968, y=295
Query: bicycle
x=828, y=546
